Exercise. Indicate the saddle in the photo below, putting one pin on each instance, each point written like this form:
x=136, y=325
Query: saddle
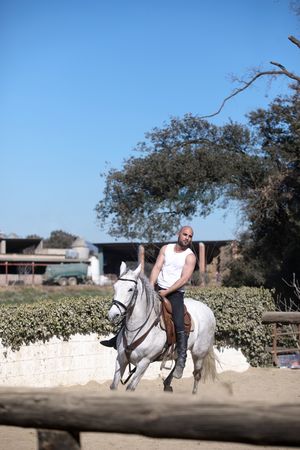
x=167, y=321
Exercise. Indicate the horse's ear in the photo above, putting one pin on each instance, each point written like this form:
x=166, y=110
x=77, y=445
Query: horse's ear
x=138, y=270
x=123, y=268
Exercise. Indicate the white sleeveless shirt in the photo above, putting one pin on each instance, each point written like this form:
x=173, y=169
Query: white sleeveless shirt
x=172, y=267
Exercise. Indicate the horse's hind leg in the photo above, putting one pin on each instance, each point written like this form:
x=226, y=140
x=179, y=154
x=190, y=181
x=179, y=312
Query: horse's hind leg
x=198, y=362
x=197, y=378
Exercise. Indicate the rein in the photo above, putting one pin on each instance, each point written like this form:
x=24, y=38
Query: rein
x=131, y=347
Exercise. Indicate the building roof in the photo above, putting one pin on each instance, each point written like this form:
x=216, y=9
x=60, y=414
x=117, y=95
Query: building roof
x=18, y=245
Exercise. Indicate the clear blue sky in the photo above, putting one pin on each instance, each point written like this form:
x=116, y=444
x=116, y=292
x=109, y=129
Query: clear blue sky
x=81, y=81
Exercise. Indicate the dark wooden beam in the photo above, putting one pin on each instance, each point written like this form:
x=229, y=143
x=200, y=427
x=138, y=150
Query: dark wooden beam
x=281, y=317
x=162, y=416
x=58, y=440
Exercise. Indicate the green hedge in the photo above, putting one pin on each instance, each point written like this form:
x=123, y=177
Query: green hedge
x=238, y=314
x=25, y=324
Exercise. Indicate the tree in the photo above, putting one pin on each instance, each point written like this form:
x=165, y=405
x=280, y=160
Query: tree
x=33, y=236
x=273, y=207
x=191, y=166
x=183, y=171
x=185, y=168
x=59, y=239
x=188, y=168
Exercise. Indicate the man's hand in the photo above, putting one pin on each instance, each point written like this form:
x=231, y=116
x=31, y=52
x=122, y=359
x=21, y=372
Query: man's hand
x=163, y=292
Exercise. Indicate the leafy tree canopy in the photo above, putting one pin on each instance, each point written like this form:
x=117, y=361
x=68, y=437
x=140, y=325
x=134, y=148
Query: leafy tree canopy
x=33, y=236
x=273, y=208
x=190, y=166
x=182, y=171
x=59, y=239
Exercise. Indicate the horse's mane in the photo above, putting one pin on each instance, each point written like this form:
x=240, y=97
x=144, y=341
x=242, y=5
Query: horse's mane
x=152, y=297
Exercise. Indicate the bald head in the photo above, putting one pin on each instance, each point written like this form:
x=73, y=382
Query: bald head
x=187, y=229
x=185, y=236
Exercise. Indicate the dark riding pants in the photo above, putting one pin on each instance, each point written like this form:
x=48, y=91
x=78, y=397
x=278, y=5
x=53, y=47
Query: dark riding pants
x=176, y=300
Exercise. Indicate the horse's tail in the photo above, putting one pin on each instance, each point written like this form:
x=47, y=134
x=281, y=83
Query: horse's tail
x=209, y=369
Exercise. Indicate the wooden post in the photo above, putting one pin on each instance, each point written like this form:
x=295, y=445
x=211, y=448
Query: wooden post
x=141, y=257
x=202, y=265
x=284, y=318
x=58, y=440
x=101, y=260
x=32, y=271
x=6, y=273
x=3, y=246
x=274, y=355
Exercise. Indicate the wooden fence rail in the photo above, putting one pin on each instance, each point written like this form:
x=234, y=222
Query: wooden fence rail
x=161, y=417
x=286, y=317
x=285, y=324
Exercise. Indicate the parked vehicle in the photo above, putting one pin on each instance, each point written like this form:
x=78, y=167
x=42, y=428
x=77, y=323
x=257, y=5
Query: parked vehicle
x=67, y=274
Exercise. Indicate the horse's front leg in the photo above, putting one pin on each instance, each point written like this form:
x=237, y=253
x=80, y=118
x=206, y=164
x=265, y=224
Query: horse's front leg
x=120, y=366
x=141, y=368
x=168, y=381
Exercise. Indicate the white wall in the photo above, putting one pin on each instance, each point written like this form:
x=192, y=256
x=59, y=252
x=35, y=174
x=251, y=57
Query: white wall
x=26, y=279
x=79, y=361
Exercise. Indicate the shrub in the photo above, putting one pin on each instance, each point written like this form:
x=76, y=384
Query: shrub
x=25, y=324
x=238, y=314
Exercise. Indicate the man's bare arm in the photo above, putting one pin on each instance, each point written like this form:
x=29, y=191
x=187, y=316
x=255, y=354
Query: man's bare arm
x=157, y=266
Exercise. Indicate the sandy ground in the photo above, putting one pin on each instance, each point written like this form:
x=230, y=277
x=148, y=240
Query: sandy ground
x=265, y=385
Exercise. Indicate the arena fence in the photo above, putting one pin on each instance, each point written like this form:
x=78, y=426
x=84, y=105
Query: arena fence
x=285, y=329
x=60, y=416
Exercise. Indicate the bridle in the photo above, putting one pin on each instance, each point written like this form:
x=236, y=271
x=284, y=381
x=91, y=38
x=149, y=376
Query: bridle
x=121, y=305
x=123, y=309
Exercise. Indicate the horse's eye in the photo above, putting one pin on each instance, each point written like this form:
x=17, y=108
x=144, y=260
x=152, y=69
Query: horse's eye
x=130, y=290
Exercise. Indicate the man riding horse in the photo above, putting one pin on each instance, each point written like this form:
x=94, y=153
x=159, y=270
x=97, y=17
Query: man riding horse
x=172, y=270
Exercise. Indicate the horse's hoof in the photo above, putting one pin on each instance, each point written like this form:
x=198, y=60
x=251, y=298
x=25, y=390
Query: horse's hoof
x=130, y=389
x=168, y=388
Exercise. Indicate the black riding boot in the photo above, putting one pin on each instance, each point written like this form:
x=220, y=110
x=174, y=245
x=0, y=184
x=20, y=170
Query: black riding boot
x=182, y=339
x=110, y=342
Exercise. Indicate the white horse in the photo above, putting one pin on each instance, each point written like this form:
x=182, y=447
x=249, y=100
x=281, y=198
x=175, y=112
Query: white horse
x=142, y=339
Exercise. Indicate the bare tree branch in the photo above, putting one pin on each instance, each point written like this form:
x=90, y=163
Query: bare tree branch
x=272, y=73
x=278, y=65
x=294, y=41
x=295, y=285
x=251, y=81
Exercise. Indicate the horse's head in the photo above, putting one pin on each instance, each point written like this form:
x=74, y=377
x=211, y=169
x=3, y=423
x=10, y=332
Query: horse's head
x=125, y=290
